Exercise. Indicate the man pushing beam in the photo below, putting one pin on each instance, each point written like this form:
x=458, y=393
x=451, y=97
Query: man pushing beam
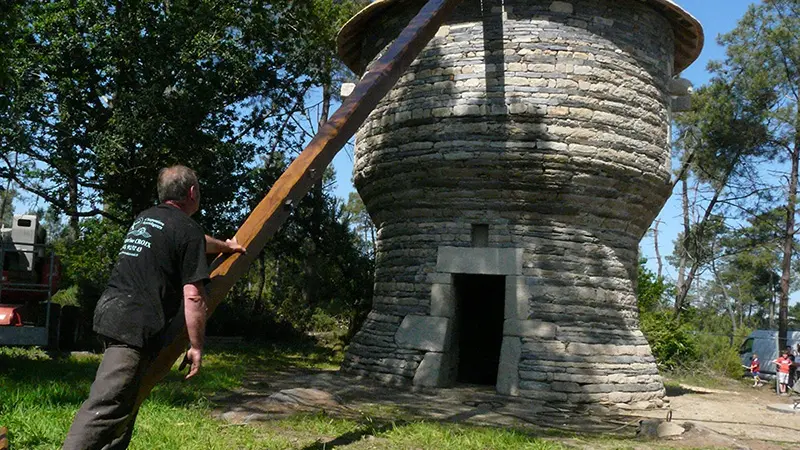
x=161, y=264
x=143, y=368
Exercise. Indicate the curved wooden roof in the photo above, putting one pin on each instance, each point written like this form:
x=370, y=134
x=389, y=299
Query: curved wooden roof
x=689, y=37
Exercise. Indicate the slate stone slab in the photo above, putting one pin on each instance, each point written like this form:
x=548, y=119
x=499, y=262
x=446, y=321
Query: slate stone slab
x=424, y=333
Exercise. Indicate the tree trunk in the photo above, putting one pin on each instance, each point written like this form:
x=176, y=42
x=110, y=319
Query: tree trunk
x=258, y=303
x=74, y=223
x=655, y=244
x=739, y=306
x=7, y=203
x=727, y=299
x=682, y=264
x=680, y=298
x=311, y=286
x=771, y=301
x=788, y=240
x=372, y=240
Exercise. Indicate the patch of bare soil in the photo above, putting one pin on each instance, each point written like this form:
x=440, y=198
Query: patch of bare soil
x=736, y=412
x=714, y=418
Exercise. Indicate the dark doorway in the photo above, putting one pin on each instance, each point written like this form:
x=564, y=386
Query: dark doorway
x=479, y=326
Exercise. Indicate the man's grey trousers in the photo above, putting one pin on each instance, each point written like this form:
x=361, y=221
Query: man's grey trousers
x=105, y=420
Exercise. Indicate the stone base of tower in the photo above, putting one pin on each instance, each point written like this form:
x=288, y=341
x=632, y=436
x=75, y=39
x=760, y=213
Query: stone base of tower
x=568, y=343
x=567, y=370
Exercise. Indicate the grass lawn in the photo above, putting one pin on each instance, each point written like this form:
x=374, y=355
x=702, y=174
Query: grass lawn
x=39, y=396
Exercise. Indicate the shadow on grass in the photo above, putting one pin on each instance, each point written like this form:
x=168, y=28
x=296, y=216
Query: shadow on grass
x=350, y=437
x=35, y=365
x=674, y=390
x=226, y=365
x=436, y=414
x=58, y=379
x=415, y=427
x=41, y=379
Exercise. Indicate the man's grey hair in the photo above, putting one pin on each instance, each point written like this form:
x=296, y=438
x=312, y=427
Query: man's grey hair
x=174, y=183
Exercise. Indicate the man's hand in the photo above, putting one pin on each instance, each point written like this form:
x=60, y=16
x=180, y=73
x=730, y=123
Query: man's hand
x=234, y=246
x=194, y=358
x=194, y=308
x=215, y=246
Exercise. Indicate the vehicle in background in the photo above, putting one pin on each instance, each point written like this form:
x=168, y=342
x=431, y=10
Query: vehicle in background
x=31, y=273
x=765, y=344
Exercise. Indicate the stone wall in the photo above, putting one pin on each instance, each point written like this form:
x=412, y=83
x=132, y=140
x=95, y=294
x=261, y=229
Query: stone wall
x=548, y=122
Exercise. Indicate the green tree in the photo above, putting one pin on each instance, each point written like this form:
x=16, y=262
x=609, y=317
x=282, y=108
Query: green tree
x=764, y=50
x=275, y=290
x=723, y=140
x=88, y=259
x=794, y=316
x=315, y=263
x=103, y=93
x=753, y=267
x=358, y=216
x=97, y=95
x=7, y=197
x=651, y=290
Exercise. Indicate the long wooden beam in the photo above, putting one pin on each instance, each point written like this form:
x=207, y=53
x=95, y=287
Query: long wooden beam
x=307, y=169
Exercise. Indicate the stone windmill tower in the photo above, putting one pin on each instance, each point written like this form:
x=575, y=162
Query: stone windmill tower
x=511, y=174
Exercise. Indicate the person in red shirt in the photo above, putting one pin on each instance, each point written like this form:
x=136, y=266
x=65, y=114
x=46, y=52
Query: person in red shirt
x=755, y=370
x=783, y=364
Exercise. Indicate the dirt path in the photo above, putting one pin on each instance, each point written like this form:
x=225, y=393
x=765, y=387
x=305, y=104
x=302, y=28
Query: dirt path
x=731, y=417
x=738, y=412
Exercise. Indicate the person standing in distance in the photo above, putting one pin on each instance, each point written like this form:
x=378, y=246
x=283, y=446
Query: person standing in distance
x=161, y=271
x=783, y=363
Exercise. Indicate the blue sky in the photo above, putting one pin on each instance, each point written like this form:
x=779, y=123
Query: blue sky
x=717, y=17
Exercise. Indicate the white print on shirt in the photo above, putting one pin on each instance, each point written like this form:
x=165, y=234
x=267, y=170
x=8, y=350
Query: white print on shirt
x=138, y=236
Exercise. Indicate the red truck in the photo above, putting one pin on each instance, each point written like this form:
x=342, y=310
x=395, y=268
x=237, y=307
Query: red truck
x=31, y=273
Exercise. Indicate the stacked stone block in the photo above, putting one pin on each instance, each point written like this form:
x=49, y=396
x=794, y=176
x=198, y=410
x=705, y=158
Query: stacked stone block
x=548, y=122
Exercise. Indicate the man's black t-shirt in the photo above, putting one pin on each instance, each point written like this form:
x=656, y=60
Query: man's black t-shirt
x=163, y=250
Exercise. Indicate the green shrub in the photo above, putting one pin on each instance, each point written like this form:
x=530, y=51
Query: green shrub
x=240, y=315
x=87, y=261
x=322, y=321
x=672, y=343
x=716, y=354
x=67, y=296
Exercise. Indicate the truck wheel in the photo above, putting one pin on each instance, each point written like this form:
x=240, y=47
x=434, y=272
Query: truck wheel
x=70, y=316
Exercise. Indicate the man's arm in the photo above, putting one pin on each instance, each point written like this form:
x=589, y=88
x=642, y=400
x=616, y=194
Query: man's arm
x=194, y=305
x=215, y=246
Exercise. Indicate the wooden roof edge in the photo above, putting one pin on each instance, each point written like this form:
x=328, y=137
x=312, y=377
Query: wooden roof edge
x=688, y=28
x=684, y=25
x=348, y=50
